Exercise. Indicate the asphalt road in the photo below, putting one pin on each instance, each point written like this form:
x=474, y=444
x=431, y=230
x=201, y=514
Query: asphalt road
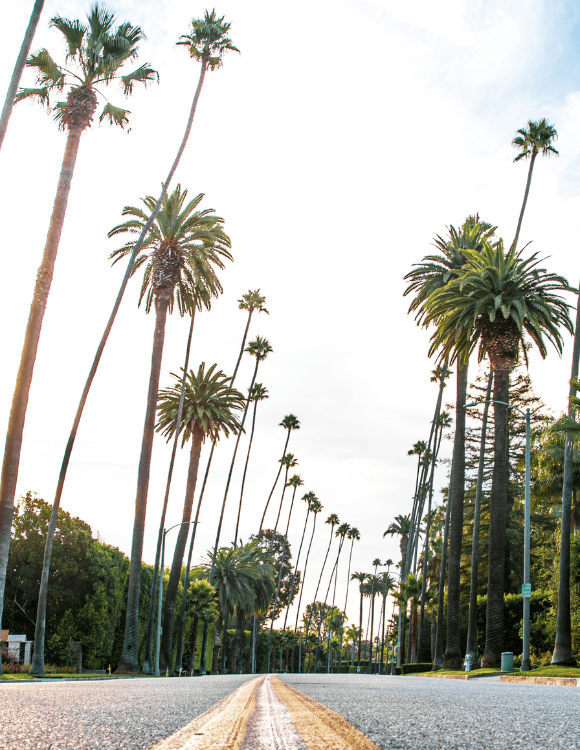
x=105, y=714
x=408, y=712
x=427, y=713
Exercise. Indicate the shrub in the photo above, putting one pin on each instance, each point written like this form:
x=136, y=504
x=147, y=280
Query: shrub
x=10, y=663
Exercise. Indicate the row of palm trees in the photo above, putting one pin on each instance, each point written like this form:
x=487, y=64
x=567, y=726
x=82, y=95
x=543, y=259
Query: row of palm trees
x=185, y=244
x=476, y=294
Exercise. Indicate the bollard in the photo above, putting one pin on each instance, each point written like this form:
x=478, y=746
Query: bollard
x=507, y=661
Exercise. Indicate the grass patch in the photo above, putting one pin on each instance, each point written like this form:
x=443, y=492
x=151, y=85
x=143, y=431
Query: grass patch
x=487, y=670
x=17, y=676
x=554, y=671
x=64, y=675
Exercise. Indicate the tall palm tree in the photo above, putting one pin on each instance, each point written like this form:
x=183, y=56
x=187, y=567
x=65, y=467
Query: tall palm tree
x=496, y=298
x=471, y=649
x=401, y=527
x=316, y=507
x=332, y=521
x=563, y=653
x=289, y=461
x=536, y=138
x=235, y=571
x=386, y=583
x=308, y=498
x=207, y=43
x=295, y=481
x=19, y=68
x=361, y=578
x=257, y=394
x=289, y=423
x=209, y=409
x=180, y=254
x=374, y=582
x=252, y=301
x=204, y=298
x=260, y=348
x=97, y=51
x=341, y=533
x=354, y=535
x=202, y=604
x=428, y=278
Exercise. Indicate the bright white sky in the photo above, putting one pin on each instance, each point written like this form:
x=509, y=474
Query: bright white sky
x=335, y=146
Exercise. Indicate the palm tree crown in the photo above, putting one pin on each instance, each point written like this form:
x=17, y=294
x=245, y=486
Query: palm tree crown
x=180, y=251
x=435, y=271
x=209, y=404
x=536, y=138
x=207, y=41
x=98, y=50
x=253, y=301
x=493, y=300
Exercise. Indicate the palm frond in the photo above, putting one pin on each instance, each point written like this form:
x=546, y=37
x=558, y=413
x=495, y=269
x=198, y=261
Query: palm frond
x=41, y=95
x=115, y=115
x=74, y=33
x=144, y=74
x=48, y=73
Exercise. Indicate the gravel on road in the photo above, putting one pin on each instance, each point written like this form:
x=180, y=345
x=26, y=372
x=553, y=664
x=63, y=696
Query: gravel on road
x=132, y=714
x=429, y=714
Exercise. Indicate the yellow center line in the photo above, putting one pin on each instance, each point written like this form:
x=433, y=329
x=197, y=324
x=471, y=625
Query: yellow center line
x=319, y=727
x=222, y=727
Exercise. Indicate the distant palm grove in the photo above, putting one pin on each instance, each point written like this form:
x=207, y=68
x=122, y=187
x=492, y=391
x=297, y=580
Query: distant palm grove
x=455, y=594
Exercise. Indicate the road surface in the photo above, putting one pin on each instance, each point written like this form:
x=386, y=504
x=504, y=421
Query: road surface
x=248, y=713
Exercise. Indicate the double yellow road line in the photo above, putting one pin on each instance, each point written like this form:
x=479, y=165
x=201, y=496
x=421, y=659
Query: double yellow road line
x=267, y=714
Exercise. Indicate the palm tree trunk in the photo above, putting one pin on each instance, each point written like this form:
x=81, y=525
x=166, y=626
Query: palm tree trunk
x=282, y=498
x=193, y=638
x=372, y=629
x=472, y=620
x=99, y=353
x=301, y=592
x=296, y=566
x=497, y=524
x=129, y=659
x=383, y=616
x=175, y=574
x=563, y=653
x=360, y=628
x=19, y=67
x=148, y=662
x=453, y=656
x=528, y=183
x=245, y=472
x=179, y=655
x=275, y=481
x=22, y=389
x=347, y=588
x=438, y=658
x=241, y=354
x=219, y=529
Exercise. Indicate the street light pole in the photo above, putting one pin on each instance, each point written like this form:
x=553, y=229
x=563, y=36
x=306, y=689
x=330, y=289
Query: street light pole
x=160, y=587
x=527, y=584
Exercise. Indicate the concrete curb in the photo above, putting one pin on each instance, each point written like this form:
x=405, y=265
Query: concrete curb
x=569, y=681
